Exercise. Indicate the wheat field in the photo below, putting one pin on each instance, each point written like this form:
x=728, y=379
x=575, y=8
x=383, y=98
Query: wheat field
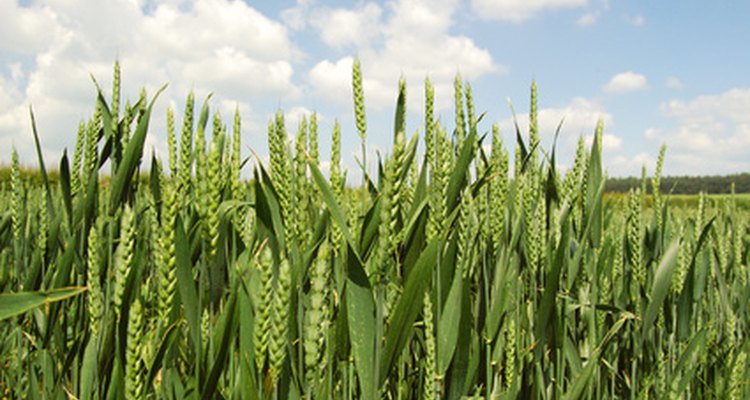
x=450, y=273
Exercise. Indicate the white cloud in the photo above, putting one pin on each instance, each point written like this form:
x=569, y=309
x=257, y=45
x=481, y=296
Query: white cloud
x=9, y=94
x=237, y=74
x=731, y=105
x=342, y=27
x=625, y=82
x=610, y=143
x=638, y=20
x=519, y=10
x=27, y=30
x=652, y=133
x=16, y=72
x=588, y=19
x=297, y=16
x=200, y=45
x=13, y=120
x=620, y=165
x=333, y=79
x=712, y=133
x=422, y=18
x=673, y=82
x=579, y=118
x=414, y=42
x=293, y=118
x=242, y=27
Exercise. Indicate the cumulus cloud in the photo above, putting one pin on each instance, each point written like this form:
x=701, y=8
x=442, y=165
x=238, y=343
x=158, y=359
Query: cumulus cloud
x=242, y=27
x=621, y=165
x=588, y=19
x=638, y=20
x=333, y=78
x=201, y=45
x=610, y=143
x=579, y=118
x=238, y=74
x=297, y=16
x=673, y=82
x=13, y=118
x=342, y=27
x=411, y=39
x=519, y=10
x=625, y=82
x=9, y=94
x=731, y=105
x=711, y=133
x=293, y=117
x=27, y=30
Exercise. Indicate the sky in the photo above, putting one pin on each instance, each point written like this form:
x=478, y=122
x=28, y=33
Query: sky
x=654, y=72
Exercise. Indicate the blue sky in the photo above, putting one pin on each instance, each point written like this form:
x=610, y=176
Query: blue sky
x=655, y=72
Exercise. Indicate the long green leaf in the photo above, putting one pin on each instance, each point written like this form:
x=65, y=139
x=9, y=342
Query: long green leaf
x=399, y=123
x=132, y=157
x=502, y=285
x=523, y=152
x=225, y=332
x=105, y=112
x=575, y=265
x=89, y=370
x=688, y=363
x=545, y=319
x=186, y=284
x=581, y=381
x=407, y=308
x=593, y=197
x=465, y=358
x=339, y=218
x=449, y=323
x=687, y=297
x=42, y=168
x=361, y=313
x=460, y=172
x=660, y=287
x=65, y=187
x=267, y=208
x=12, y=304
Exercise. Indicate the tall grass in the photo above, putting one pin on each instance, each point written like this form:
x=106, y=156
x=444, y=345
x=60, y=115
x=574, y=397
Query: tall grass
x=442, y=277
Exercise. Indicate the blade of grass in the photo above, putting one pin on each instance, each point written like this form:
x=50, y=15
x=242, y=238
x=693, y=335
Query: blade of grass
x=186, y=284
x=459, y=173
x=361, y=313
x=42, y=168
x=132, y=158
x=407, y=309
x=65, y=187
x=89, y=369
x=685, y=302
x=688, y=363
x=225, y=332
x=582, y=380
x=12, y=304
x=450, y=320
x=339, y=218
x=660, y=287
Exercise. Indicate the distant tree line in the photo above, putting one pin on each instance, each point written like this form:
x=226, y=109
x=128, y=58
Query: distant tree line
x=686, y=184
x=31, y=175
x=669, y=184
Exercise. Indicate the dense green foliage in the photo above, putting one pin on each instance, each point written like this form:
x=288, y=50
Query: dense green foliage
x=678, y=185
x=688, y=184
x=442, y=277
x=29, y=175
